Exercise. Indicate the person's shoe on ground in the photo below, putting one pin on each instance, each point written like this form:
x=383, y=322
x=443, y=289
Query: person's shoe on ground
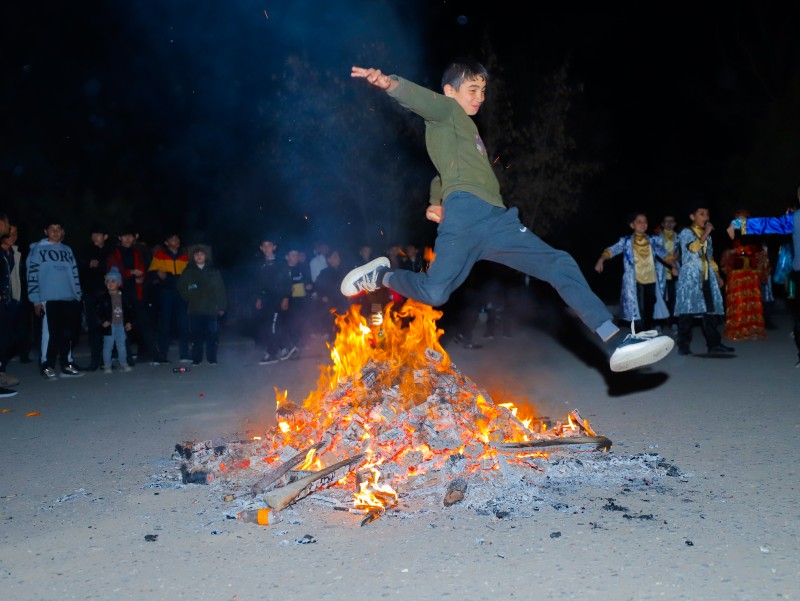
x=7, y=392
x=640, y=349
x=126, y=367
x=185, y=360
x=71, y=371
x=684, y=351
x=8, y=380
x=268, y=359
x=49, y=373
x=721, y=348
x=287, y=353
x=160, y=361
x=366, y=278
x=107, y=370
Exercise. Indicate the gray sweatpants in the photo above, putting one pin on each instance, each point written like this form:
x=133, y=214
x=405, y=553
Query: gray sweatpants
x=473, y=230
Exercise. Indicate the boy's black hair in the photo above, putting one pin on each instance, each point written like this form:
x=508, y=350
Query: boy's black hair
x=169, y=230
x=634, y=214
x=698, y=204
x=98, y=228
x=52, y=220
x=462, y=70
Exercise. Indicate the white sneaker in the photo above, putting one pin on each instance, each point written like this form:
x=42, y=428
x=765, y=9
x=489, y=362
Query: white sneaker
x=365, y=278
x=639, y=349
x=126, y=367
x=287, y=353
x=107, y=371
x=268, y=359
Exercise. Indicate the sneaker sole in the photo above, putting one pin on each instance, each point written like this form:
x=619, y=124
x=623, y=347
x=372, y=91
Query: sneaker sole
x=347, y=288
x=654, y=350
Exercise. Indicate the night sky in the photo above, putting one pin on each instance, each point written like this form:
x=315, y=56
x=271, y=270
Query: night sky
x=233, y=119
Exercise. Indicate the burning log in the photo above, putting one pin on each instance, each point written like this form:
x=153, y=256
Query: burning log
x=272, y=477
x=583, y=424
x=598, y=442
x=283, y=497
x=456, y=490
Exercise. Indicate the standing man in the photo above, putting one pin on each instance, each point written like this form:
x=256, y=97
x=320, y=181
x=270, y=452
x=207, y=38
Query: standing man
x=54, y=285
x=168, y=263
x=319, y=261
x=132, y=263
x=6, y=321
x=92, y=265
x=273, y=287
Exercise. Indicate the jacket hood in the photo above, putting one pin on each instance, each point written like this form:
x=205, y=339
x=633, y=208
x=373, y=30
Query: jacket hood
x=205, y=248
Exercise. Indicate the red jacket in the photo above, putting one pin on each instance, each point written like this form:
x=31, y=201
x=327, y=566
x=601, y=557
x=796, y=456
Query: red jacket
x=115, y=260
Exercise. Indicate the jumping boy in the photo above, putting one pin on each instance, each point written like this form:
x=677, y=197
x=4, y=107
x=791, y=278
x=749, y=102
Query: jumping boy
x=474, y=223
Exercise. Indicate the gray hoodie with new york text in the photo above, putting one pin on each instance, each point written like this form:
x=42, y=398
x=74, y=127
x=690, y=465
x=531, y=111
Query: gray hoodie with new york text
x=52, y=273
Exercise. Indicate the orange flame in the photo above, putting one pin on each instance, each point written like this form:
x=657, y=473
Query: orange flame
x=373, y=495
x=382, y=394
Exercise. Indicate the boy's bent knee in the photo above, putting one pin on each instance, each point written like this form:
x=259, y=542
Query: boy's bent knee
x=434, y=297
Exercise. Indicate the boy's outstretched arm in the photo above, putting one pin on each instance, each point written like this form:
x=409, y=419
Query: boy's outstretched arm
x=375, y=77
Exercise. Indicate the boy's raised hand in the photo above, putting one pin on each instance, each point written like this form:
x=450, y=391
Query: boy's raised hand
x=374, y=77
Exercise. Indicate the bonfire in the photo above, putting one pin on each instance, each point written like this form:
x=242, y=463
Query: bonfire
x=389, y=409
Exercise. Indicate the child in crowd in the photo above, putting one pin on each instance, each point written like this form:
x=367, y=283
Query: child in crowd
x=669, y=240
x=201, y=286
x=699, y=283
x=114, y=312
x=474, y=223
x=643, y=281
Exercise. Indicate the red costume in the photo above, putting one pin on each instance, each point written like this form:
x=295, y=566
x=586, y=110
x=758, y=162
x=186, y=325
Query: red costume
x=745, y=267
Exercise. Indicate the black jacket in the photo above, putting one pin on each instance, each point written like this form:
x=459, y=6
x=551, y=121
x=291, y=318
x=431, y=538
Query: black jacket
x=102, y=310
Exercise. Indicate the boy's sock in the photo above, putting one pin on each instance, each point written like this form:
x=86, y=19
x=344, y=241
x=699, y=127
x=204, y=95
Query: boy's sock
x=607, y=331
